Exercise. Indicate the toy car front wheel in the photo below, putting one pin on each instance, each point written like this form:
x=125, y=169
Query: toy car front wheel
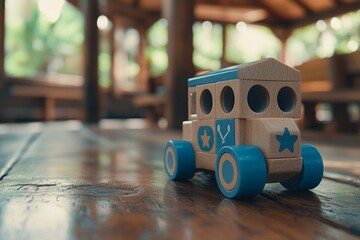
x=311, y=172
x=179, y=160
x=240, y=171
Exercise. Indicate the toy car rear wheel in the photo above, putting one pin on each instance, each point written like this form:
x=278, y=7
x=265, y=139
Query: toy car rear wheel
x=311, y=172
x=179, y=160
x=240, y=171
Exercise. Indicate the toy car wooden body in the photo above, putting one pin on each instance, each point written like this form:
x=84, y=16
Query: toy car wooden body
x=241, y=125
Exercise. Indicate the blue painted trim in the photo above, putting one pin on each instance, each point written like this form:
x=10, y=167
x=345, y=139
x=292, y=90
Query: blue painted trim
x=251, y=168
x=230, y=73
x=311, y=172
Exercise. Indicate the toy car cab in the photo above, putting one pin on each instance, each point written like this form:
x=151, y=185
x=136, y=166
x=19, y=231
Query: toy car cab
x=241, y=125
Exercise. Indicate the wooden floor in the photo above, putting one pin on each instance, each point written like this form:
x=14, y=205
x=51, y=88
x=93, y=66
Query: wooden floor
x=70, y=181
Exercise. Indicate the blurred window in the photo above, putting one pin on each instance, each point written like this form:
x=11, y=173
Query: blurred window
x=43, y=37
x=105, y=26
x=337, y=35
x=246, y=43
x=156, y=54
x=207, y=45
x=125, y=61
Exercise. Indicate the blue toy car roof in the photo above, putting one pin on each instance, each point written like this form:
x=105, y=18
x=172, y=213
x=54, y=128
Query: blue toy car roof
x=215, y=76
x=268, y=69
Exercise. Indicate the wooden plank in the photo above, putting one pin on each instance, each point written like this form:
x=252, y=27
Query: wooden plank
x=149, y=100
x=110, y=183
x=333, y=203
x=62, y=81
x=346, y=95
x=46, y=92
x=13, y=146
x=110, y=210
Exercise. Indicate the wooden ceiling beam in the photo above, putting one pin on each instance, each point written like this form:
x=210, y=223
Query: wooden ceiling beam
x=306, y=8
x=337, y=2
x=232, y=3
x=313, y=17
x=136, y=3
x=131, y=12
x=275, y=17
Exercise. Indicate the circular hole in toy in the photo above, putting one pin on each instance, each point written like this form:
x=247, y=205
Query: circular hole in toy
x=227, y=99
x=286, y=99
x=258, y=98
x=206, y=101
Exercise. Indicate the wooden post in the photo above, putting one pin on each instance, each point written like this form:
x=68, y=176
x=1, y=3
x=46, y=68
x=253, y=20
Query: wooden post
x=283, y=50
x=224, y=45
x=141, y=59
x=91, y=52
x=180, y=17
x=2, y=41
x=112, y=54
x=283, y=35
x=2, y=58
x=49, y=109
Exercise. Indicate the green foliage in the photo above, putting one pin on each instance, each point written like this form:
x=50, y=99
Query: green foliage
x=34, y=45
x=207, y=45
x=156, y=54
x=249, y=43
x=337, y=35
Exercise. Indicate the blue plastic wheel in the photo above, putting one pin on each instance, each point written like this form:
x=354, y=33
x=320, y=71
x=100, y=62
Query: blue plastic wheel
x=311, y=172
x=240, y=171
x=179, y=160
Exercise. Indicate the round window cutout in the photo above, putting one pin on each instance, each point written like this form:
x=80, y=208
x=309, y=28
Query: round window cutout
x=227, y=98
x=206, y=101
x=286, y=99
x=258, y=98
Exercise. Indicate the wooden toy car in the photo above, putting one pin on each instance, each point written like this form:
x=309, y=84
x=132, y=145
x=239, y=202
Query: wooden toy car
x=241, y=125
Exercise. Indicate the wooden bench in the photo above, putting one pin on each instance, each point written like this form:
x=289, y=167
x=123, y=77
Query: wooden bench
x=153, y=104
x=335, y=81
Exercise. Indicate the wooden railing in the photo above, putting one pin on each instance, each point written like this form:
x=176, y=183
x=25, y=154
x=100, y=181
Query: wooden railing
x=335, y=81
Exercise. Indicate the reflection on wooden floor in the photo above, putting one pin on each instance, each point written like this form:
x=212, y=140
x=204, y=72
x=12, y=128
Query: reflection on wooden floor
x=68, y=180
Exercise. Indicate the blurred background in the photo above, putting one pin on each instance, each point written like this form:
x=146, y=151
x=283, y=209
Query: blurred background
x=121, y=59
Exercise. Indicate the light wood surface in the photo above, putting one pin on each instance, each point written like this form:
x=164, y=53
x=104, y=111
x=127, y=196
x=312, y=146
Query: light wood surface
x=271, y=69
x=73, y=181
x=263, y=133
x=202, y=104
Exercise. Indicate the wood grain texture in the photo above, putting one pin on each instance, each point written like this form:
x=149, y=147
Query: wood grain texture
x=90, y=183
x=221, y=98
x=187, y=130
x=192, y=108
x=271, y=69
x=205, y=160
x=280, y=170
x=264, y=132
x=272, y=109
x=12, y=148
x=202, y=103
x=240, y=131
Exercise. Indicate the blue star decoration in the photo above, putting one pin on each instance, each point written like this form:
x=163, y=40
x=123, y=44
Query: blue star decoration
x=286, y=140
x=205, y=138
